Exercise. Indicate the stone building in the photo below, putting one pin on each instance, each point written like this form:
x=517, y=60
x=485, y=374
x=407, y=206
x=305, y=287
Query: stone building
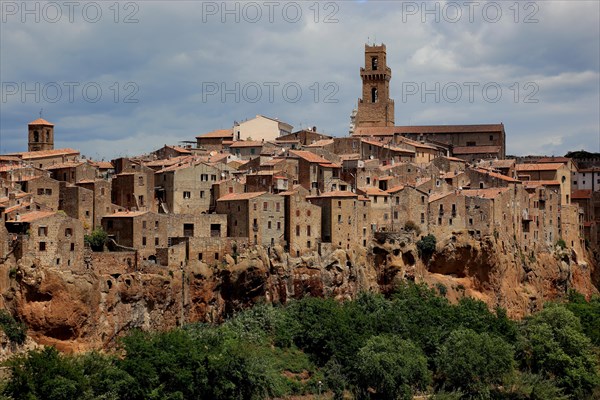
x=258, y=216
x=72, y=171
x=102, y=205
x=548, y=172
x=345, y=219
x=266, y=181
x=133, y=185
x=215, y=140
x=302, y=223
x=44, y=190
x=314, y=172
x=381, y=207
x=408, y=204
x=51, y=238
x=186, y=188
x=167, y=152
x=144, y=231
x=375, y=108
x=44, y=158
x=246, y=149
x=77, y=202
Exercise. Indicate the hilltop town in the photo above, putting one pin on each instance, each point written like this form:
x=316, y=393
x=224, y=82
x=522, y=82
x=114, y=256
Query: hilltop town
x=236, y=198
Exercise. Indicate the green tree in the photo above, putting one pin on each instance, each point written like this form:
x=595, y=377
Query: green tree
x=471, y=362
x=15, y=331
x=426, y=246
x=96, y=239
x=393, y=367
x=554, y=346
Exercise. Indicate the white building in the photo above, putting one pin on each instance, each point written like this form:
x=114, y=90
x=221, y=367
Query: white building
x=261, y=128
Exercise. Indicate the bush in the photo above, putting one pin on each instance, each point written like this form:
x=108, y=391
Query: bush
x=426, y=246
x=16, y=331
x=96, y=240
x=561, y=243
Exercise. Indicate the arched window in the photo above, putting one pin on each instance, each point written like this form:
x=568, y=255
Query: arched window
x=36, y=136
x=374, y=95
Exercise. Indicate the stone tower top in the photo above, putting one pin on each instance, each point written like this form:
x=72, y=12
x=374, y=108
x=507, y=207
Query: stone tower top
x=41, y=135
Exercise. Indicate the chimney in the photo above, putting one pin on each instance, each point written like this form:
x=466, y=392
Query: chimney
x=314, y=128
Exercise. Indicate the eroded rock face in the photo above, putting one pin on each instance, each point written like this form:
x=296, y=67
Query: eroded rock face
x=77, y=310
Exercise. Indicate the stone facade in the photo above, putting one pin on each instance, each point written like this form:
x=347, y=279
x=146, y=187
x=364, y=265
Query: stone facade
x=144, y=231
x=302, y=224
x=41, y=135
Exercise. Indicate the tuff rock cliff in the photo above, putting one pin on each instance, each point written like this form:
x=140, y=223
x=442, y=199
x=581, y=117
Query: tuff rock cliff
x=81, y=309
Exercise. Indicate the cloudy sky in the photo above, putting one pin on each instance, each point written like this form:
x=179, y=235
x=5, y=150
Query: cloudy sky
x=125, y=78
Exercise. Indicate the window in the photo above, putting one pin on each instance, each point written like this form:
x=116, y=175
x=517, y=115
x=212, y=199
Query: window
x=373, y=95
x=308, y=244
x=87, y=213
x=297, y=213
x=491, y=138
x=40, y=191
x=202, y=194
x=254, y=206
x=187, y=195
x=471, y=144
x=439, y=220
x=102, y=192
x=339, y=218
x=143, y=240
x=422, y=218
x=450, y=221
x=374, y=62
x=213, y=178
x=269, y=225
x=278, y=226
x=199, y=256
x=395, y=214
x=72, y=246
x=43, y=231
x=68, y=232
x=308, y=230
x=155, y=224
x=339, y=204
x=265, y=206
x=297, y=230
x=109, y=224
x=277, y=207
x=156, y=241
x=143, y=224
x=42, y=246
x=203, y=177
x=216, y=256
x=422, y=199
x=470, y=221
x=141, y=180
x=308, y=213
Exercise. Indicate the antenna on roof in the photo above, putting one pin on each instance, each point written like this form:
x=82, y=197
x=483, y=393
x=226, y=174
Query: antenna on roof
x=41, y=112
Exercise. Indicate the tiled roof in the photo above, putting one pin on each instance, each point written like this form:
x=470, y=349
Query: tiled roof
x=29, y=155
x=40, y=121
x=67, y=164
x=240, y=196
x=489, y=193
x=246, y=143
x=436, y=196
x=395, y=189
x=533, y=184
x=562, y=160
x=538, y=167
x=321, y=143
x=103, y=164
x=219, y=133
x=336, y=193
x=180, y=149
x=496, y=175
x=309, y=156
x=33, y=216
x=476, y=149
x=373, y=191
x=581, y=194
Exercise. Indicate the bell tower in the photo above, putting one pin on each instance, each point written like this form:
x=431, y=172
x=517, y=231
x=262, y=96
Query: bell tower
x=41, y=135
x=375, y=108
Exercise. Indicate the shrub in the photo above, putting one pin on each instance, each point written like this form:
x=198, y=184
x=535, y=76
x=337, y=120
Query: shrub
x=16, y=331
x=97, y=239
x=561, y=243
x=426, y=246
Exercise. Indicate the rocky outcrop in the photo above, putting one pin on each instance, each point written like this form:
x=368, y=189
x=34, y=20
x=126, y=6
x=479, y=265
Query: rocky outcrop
x=79, y=309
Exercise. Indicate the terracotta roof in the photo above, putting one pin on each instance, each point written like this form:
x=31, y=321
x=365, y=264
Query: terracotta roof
x=321, y=143
x=581, y=194
x=103, y=164
x=67, y=164
x=246, y=143
x=373, y=191
x=126, y=214
x=309, y=156
x=396, y=189
x=40, y=121
x=476, y=149
x=28, y=155
x=330, y=165
x=489, y=193
x=240, y=196
x=387, y=146
x=336, y=193
x=454, y=159
x=167, y=162
x=33, y=216
x=496, y=175
x=219, y=133
x=436, y=196
x=503, y=163
x=562, y=160
x=180, y=149
x=538, y=167
x=347, y=157
x=390, y=130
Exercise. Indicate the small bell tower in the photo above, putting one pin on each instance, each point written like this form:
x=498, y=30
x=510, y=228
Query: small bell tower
x=41, y=135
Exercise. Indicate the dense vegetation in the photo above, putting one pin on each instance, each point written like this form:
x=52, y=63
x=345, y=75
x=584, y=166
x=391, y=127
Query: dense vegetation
x=370, y=348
